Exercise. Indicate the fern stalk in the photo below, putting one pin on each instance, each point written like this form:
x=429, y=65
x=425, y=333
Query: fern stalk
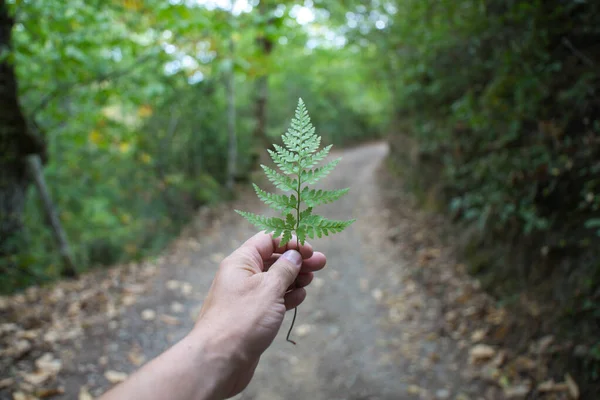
x=298, y=162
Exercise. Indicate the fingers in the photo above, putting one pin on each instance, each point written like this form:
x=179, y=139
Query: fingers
x=266, y=245
x=305, y=249
x=285, y=270
x=304, y=279
x=294, y=298
x=314, y=263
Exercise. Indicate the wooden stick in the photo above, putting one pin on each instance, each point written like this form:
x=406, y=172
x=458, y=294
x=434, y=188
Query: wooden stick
x=35, y=167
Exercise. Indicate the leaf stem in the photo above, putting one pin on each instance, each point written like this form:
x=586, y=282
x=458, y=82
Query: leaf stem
x=298, y=201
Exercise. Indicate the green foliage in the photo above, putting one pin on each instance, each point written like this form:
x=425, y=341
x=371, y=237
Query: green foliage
x=130, y=99
x=297, y=161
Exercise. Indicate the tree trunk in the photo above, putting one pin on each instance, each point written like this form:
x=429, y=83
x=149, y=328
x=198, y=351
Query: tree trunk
x=232, y=150
x=265, y=45
x=16, y=142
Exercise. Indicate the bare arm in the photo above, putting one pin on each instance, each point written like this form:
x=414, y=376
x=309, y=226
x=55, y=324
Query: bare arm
x=240, y=318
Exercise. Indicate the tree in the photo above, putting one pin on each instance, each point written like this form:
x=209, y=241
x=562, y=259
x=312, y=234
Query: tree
x=265, y=44
x=17, y=141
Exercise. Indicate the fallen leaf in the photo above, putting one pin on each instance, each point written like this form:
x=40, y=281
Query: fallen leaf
x=478, y=335
x=523, y=364
x=18, y=348
x=84, y=394
x=48, y=364
x=544, y=344
x=303, y=330
x=6, y=382
x=169, y=319
x=49, y=392
x=377, y=294
x=134, y=288
x=519, y=391
x=136, y=357
x=23, y=396
x=414, y=389
x=115, y=376
x=573, y=388
x=128, y=300
x=148, y=314
x=550, y=386
x=177, y=307
x=481, y=352
x=186, y=288
x=36, y=378
x=173, y=285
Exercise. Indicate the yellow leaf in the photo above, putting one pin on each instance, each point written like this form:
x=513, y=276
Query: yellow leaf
x=131, y=248
x=84, y=394
x=133, y=5
x=146, y=158
x=145, y=111
x=125, y=218
x=95, y=137
x=124, y=147
x=115, y=376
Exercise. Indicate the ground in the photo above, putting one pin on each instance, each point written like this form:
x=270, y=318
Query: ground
x=393, y=316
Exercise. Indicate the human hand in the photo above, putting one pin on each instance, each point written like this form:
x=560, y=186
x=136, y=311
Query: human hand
x=246, y=303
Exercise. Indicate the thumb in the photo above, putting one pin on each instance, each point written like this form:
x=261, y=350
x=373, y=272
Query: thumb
x=286, y=269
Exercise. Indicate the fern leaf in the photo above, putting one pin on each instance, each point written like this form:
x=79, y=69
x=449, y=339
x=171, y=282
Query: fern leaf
x=314, y=197
x=314, y=175
x=280, y=181
x=305, y=213
x=298, y=162
x=277, y=201
x=267, y=224
x=316, y=158
x=318, y=226
x=281, y=159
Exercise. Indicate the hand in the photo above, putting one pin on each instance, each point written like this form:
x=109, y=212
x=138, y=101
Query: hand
x=247, y=301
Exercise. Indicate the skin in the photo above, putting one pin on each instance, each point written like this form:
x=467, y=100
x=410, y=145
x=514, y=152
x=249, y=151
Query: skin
x=239, y=320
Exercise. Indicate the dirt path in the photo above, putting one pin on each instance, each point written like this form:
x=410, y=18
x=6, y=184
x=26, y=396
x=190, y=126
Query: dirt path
x=366, y=331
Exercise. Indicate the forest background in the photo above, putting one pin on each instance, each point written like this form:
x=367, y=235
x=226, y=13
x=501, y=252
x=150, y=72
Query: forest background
x=141, y=111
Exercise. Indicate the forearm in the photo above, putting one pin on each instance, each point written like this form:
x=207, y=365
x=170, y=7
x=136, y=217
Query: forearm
x=194, y=368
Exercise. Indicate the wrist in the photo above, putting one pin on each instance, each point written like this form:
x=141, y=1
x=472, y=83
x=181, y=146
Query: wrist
x=218, y=356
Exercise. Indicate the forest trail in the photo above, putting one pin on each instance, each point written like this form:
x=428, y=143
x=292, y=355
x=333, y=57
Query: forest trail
x=367, y=330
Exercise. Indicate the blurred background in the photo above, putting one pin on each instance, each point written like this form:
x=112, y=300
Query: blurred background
x=138, y=112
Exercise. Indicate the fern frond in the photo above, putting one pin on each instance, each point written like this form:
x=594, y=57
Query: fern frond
x=280, y=181
x=314, y=175
x=318, y=226
x=298, y=162
x=282, y=158
x=305, y=213
x=267, y=224
x=314, y=197
x=316, y=158
x=279, y=202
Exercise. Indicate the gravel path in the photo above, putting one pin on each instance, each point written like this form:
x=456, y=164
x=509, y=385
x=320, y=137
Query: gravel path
x=366, y=330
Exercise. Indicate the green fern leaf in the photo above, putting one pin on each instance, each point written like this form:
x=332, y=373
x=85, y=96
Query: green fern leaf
x=314, y=175
x=277, y=201
x=314, y=197
x=298, y=162
x=280, y=181
x=268, y=224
